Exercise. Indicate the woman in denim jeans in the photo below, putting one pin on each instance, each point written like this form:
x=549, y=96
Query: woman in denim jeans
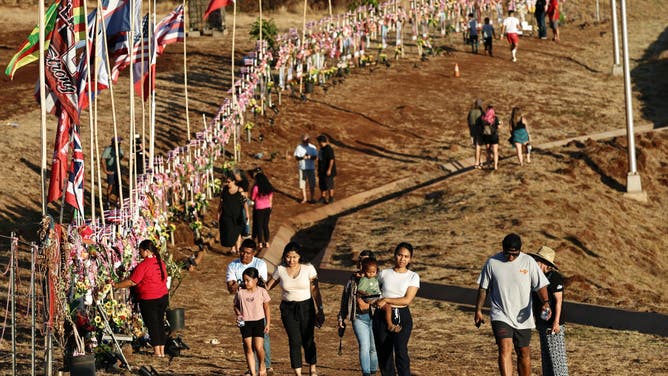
x=357, y=311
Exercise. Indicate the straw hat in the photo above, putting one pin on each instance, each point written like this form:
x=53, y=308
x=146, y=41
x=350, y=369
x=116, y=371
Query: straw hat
x=545, y=255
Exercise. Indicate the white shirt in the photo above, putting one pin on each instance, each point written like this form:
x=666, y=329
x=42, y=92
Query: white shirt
x=236, y=269
x=511, y=25
x=509, y=285
x=395, y=285
x=295, y=289
x=310, y=150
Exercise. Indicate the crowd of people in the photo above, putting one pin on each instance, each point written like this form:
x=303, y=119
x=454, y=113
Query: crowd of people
x=512, y=26
x=484, y=126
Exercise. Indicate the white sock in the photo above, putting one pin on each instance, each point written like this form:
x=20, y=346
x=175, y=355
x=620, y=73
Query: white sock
x=514, y=51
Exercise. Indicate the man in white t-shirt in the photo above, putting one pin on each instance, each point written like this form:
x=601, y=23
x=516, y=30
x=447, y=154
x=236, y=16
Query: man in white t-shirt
x=511, y=27
x=509, y=277
x=235, y=271
x=306, y=153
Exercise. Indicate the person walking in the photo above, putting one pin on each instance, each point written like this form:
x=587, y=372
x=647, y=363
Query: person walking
x=326, y=169
x=262, y=195
x=149, y=279
x=519, y=135
x=488, y=36
x=230, y=214
x=235, y=269
x=355, y=309
x=306, y=154
x=399, y=285
x=251, y=307
x=510, y=28
x=553, y=14
x=489, y=126
x=552, y=331
x=300, y=297
x=539, y=13
x=509, y=277
x=475, y=131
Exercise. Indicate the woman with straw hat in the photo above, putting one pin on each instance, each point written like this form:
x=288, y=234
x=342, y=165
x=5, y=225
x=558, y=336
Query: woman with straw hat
x=551, y=331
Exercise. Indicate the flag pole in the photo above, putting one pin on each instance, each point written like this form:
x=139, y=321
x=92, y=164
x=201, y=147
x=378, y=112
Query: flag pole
x=131, y=161
x=301, y=78
x=90, y=118
x=151, y=94
x=185, y=64
x=234, y=89
x=113, y=112
x=42, y=100
x=261, y=56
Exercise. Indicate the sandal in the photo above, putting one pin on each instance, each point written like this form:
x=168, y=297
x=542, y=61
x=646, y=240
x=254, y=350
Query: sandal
x=477, y=167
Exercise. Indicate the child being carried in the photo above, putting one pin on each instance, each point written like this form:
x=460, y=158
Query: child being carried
x=368, y=289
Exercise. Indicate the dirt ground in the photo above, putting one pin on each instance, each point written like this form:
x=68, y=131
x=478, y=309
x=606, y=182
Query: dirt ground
x=393, y=122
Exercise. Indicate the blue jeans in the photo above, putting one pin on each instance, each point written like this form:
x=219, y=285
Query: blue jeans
x=367, y=347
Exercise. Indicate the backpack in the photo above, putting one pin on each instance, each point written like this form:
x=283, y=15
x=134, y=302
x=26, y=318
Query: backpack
x=487, y=129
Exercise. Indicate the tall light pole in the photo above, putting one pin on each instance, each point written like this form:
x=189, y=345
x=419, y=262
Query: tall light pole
x=616, y=67
x=633, y=186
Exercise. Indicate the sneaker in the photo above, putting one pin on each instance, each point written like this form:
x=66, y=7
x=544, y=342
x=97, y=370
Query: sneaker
x=514, y=59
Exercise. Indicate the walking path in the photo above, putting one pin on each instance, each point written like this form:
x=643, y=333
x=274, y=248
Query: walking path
x=585, y=314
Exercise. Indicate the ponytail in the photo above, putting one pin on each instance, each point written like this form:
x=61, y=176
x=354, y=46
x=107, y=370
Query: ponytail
x=148, y=244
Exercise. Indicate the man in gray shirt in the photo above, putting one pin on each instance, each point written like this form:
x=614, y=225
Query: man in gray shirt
x=509, y=277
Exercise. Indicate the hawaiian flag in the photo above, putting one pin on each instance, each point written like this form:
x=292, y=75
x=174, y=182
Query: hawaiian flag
x=215, y=5
x=61, y=57
x=75, y=191
x=60, y=153
x=170, y=30
x=28, y=52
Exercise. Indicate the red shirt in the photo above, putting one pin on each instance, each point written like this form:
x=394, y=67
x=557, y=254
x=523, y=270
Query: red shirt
x=148, y=278
x=553, y=10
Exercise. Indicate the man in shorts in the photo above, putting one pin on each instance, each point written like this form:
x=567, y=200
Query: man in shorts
x=509, y=277
x=306, y=155
x=511, y=27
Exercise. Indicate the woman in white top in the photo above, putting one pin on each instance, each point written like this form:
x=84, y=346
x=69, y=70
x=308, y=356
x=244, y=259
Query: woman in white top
x=301, y=295
x=398, y=286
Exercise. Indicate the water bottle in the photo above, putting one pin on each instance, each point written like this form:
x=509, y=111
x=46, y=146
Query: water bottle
x=529, y=149
x=545, y=313
x=240, y=322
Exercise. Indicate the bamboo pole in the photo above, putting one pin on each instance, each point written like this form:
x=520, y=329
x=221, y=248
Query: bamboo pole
x=235, y=103
x=303, y=46
x=113, y=110
x=260, y=56
x=42, y=100
x=151, y=91
x=90, y=119
x=185, y=63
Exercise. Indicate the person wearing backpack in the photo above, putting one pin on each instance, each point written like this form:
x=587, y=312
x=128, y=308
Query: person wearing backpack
x=475, y=131
x=490, y=125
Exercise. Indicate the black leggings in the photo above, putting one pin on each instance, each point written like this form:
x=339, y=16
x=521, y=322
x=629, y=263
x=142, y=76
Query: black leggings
x=261, y=225
x=299, y=322
x=153, y=313
x=389, y=343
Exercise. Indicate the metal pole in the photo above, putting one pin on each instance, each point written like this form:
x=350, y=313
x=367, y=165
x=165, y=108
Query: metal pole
x=633, y=178
x=616, y=67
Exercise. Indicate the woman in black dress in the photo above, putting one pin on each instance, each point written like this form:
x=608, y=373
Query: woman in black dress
x=230, y=213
